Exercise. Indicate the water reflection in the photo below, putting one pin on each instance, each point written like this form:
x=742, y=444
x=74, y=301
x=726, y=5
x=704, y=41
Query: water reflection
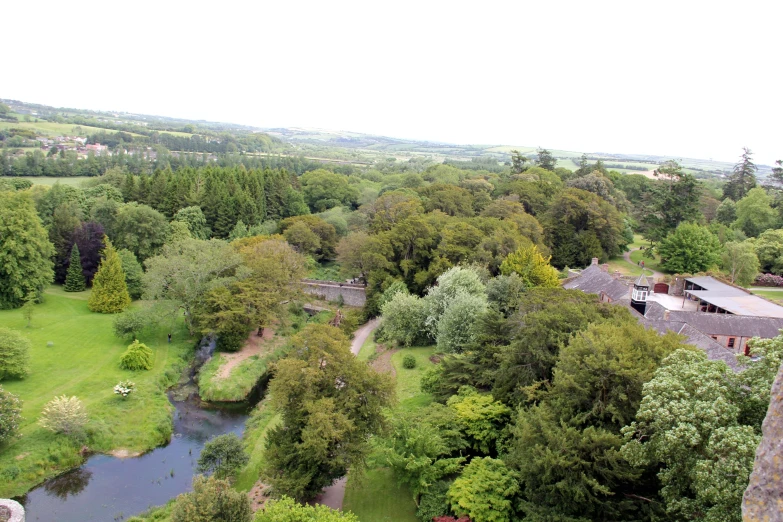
x=71, y=483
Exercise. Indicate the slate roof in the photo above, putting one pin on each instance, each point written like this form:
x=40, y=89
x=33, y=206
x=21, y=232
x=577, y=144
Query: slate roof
x=642, y=281
x=714, y=351
x=593, y=280
x=728, y=324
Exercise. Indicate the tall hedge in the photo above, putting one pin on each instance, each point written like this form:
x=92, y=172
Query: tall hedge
x=109, y=291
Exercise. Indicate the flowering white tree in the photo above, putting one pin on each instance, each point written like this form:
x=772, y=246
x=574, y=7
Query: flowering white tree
x=64, y=415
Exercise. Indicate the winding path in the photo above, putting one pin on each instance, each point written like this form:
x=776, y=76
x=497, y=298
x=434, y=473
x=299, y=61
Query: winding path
x=656, y=275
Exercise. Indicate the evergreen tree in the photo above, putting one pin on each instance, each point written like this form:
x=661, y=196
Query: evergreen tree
x=742, y=179
x=74, y=279
x=109, y=291
x=546, y=160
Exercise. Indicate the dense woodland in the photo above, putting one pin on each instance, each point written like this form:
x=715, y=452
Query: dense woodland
x=548, y=404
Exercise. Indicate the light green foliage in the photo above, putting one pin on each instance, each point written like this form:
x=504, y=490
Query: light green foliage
x=65, y=415
x=287, y=509
x=484, y=491
x=137, y=357
x=14, y=354
x=109, y=292
x=28, y=309
x=457, y=326
x=132, y=323
x=323, y=190
x=418, y=450
x=185, y=271
x=133, y=272
x=690, y=249
x=302, y=238
x=25, y=250
x=338, y=218
x=409, y=362
x=10, y=415
x=212, y=500
x=688, y=426
x=404, y=317
x=753, y=384
x=177, y=231
x=769, y=249
x=194, y=218
x=505, y=292
x=480, y=417
x=222, y=455
x=726, y=213
x=74, y=280
x=532, y=267
x=450, y=283
x=331, y=403
x=755, y=213
x=739, y=260
x=397, y=287
x=141, y=229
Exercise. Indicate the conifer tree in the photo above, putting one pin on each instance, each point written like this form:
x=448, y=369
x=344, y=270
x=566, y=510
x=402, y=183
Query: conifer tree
x=74, y=279
x=109, y=291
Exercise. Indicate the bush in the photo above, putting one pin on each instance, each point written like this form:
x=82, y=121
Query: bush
x=137, y=357
x=768, y=280
x=232, y=339
x=434, y=503
x=409, y=362
x=132, y=323
x=124, y=388
x=14, y=354
x=10, y=414
x=287, y=509
x=212, y=500
x=64, y=415
x=222, y=455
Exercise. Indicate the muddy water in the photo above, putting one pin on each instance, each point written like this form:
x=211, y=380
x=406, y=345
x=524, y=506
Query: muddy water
x=106, y=488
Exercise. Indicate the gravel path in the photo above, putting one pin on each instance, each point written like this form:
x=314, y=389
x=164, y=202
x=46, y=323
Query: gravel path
x=656, y=275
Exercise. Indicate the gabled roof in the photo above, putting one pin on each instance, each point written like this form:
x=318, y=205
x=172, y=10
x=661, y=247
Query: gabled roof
x=593, y=280
x=714, y=351
x=642, y=281
x=728, y=324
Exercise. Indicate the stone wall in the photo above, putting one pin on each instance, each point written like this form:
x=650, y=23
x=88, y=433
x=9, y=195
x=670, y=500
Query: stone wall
x=763, y=500
x=353, y=295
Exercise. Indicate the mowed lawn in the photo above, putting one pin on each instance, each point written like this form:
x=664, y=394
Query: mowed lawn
x=74, y=181
x=376, y=496
x=83, y=360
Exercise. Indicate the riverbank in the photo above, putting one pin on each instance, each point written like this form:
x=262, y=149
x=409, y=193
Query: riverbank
x=75, y=352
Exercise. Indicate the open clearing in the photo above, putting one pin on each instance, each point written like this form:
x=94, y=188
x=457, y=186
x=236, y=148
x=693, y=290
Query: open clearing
x=83, y=360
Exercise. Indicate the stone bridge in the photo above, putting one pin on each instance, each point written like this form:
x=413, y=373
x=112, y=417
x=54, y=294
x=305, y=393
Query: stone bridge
x=353, y=294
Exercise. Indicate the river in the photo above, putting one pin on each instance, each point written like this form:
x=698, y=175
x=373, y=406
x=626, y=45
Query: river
x=107, y=488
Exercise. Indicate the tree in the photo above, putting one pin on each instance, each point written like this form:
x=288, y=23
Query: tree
x=330, y=403
x=480, y=417
x=109, y=291
x=755, y=213
x=726, y=212
x=141, y=229
x=222, y=455
x=212, y=500
x=134, y=274
x=545, y=160
x=484, y=491
x=74, y=280
x=327, y=235
x=769, y=249
x=689, y=249
x=742, y=178
x=25, y=250
x=532, y=268
x=323, y=190
x=64, y=415
x=194, y=218
x=133, y=322
x=404, y=317
x=28, y=309
x=518, y=162
x=89, y=238
x=14, y=354
x=65, y=219
x=287, y=509
x=185, y=271
x=456, y=328
x=741, y=262
x=10, y=415
x=440, y=296
x=302, y=238
x=136, y=357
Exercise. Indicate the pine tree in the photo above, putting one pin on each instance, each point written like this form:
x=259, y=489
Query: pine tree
x=109, y=291
x=74, y=279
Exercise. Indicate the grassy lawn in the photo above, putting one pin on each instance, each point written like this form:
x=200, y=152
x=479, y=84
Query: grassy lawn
x=624, y=267
x=83, y=360
x=651, y=261
x=409, y=393
x=258, y=425
x=773, y=295
x=376, y=497
x=367, y=349
x=44, y=180
x=240, y=381
x=49, y=128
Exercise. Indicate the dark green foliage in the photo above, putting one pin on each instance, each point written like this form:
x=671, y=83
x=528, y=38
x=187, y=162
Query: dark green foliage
x=132, y=323
x=74, y=280
x=233, y=337
x=222, y=456
x=133, y=273
x=742, y=179
x=14, y=354
x=212, y=500
x=137, y=357
x=10, y=415
x=25, y=250
x=545, y=160
x=671, y=201
x=434, y=503
x=409, y=362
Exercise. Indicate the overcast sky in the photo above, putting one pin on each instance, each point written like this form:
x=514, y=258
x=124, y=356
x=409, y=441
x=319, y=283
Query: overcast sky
x=686, y=78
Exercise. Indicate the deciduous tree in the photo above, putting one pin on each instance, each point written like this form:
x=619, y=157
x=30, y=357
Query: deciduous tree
x=740, y=262
x=689, y=249
x=14, y=354
x=222, y=456
x=212, y=500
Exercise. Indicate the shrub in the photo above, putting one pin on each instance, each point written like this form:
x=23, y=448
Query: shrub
x=409, y=362
x=137, y=357
x=233, y=338
x=124, y=388
x=14, y=354
x=768, y=280
x=434, y=502
x=64, y=415
x=222, y=455
x=287, y=509
x=131, y=323
x=10, y=414
x=212, y=500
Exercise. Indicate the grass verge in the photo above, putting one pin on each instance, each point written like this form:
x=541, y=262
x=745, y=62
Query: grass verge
x=83, y=360
x=239, y=383
x=257, y=426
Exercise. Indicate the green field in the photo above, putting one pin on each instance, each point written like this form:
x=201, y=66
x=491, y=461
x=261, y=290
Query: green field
x=240, y=382
x=48, y=128
x=83, y=360
x=651, y=261
x=74, y=181
x=261, y=421
x=772, y=295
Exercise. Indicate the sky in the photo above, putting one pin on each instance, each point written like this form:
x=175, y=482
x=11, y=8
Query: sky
x=685, y=79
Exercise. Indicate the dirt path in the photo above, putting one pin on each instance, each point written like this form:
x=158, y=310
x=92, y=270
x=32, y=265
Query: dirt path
x=361, y=335
x=658, y=276
x=255, y=345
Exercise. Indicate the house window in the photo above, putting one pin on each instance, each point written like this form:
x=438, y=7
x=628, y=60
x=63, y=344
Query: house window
x=731, y=342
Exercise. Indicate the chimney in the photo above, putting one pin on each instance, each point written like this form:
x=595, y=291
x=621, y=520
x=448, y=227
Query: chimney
x=595, y=261
x=616, y=274
x=666, y=314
